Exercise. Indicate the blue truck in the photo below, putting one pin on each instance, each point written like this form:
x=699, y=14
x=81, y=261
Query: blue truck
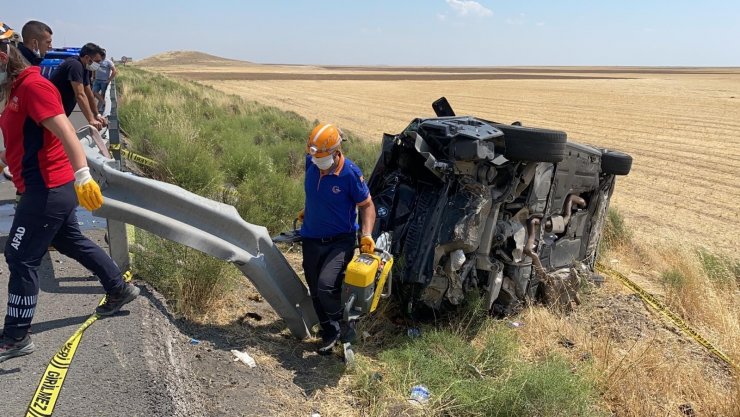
x=54, y=57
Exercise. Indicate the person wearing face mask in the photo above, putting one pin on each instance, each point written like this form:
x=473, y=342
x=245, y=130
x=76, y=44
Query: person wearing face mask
x=50, y=169
x=36, y=41
x=103, y=76
x=335, y=192
x=72, y=79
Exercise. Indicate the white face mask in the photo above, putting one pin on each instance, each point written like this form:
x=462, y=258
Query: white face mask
x=93, y=66
x=323, y=163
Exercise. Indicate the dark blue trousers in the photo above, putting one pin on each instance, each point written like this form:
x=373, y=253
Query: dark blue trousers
x=43, y=218
x=324, y=264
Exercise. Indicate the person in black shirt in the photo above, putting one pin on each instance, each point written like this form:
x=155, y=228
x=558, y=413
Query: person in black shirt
x=36, y=41
x=72, y=79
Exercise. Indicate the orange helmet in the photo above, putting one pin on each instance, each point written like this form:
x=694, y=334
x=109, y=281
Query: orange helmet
x=6, y=33
x=324, y=139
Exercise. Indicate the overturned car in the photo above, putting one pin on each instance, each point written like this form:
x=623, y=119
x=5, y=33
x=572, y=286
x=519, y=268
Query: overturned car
x=513, y=212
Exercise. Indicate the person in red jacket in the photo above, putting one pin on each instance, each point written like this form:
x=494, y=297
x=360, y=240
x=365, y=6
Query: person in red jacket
x=50, y=171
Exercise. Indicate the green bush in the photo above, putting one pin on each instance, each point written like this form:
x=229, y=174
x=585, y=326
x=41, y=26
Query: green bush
x=190, y=280
x=616, y=232
x=720, y=269
x=674, y=278
x=473, y=379
x=206, y=141
x=222, y=147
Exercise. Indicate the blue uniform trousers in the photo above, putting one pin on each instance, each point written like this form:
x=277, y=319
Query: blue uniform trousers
x=43, y=218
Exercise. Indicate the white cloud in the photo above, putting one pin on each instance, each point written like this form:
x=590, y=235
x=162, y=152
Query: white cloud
x=519, y=20
x=441, y=17
x=540, y=24
x=469, y=8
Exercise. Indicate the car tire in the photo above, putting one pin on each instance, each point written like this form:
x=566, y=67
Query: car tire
x=615, y=162
x=533, y=144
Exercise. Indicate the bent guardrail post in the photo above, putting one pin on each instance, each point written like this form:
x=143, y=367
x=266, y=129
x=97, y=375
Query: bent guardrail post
x=205, y=225
x=117, y=236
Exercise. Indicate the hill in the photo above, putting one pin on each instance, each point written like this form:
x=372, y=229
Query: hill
x=171, y=58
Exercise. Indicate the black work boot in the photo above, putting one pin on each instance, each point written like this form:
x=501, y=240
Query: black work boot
x=11, y=348
x=114, y=302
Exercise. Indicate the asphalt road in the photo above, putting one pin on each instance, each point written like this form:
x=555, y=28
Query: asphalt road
x=131, y=364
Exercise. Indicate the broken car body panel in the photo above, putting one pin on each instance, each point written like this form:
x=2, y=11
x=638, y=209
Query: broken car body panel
x=472, y=204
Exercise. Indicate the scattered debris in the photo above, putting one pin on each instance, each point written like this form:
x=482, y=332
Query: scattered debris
x=366, y=335
x=419, y=395
x=413, y=332
x=194, y=341
x=349, y=355
x=515, y=324
x=244, y=358
x=567, y=343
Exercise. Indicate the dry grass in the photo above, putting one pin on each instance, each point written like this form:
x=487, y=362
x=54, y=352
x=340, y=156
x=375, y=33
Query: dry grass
x=644, y=369
x=681, y=128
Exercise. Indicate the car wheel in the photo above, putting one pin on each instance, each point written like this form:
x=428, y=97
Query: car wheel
x=615, y=162
x=532, y=144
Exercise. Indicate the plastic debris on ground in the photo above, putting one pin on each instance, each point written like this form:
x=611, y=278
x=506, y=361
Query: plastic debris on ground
x=413, y=332
x=515, y=324
x=194, y=341
x=244, y=358
x=419, y=395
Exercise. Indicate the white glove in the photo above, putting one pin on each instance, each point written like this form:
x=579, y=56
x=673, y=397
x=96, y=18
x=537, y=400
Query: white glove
x=82, y=176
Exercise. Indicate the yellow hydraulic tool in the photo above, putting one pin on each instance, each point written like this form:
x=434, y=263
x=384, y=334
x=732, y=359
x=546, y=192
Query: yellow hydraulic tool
x=366, y=276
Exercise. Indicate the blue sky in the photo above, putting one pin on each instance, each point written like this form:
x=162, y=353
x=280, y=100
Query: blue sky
x=404, y=32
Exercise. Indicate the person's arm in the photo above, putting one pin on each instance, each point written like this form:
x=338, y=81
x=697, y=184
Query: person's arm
x=91, y=100
x=84, y=102
x=88, y=191
x=367, y=223
x=367, y=216
x=62, y=128
x=113, y=72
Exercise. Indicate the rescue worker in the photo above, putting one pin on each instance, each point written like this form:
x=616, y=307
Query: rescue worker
x=335, y=190
x=50, y=170
x=36, y=41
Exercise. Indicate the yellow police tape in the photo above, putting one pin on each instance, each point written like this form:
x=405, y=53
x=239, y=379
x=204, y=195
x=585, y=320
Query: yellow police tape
x=139, y=159
x=673, y=317
x=45, y=399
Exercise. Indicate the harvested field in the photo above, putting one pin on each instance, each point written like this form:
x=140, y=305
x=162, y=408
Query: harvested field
x=682, y=125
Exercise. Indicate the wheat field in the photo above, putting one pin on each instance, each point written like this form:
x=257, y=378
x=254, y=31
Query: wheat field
x=682, y=126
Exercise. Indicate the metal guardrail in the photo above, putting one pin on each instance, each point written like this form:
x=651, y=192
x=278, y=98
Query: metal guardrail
x=202, y=224
x=117, y=235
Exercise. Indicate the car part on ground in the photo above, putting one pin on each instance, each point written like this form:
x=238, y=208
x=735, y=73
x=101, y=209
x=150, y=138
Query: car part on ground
x=513, y=212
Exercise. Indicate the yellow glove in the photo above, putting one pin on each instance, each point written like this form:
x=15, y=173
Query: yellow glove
x=88, y=191
x=367, y=244
x=301, y=215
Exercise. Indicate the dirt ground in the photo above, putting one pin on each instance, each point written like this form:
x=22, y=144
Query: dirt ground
x=681, y=125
